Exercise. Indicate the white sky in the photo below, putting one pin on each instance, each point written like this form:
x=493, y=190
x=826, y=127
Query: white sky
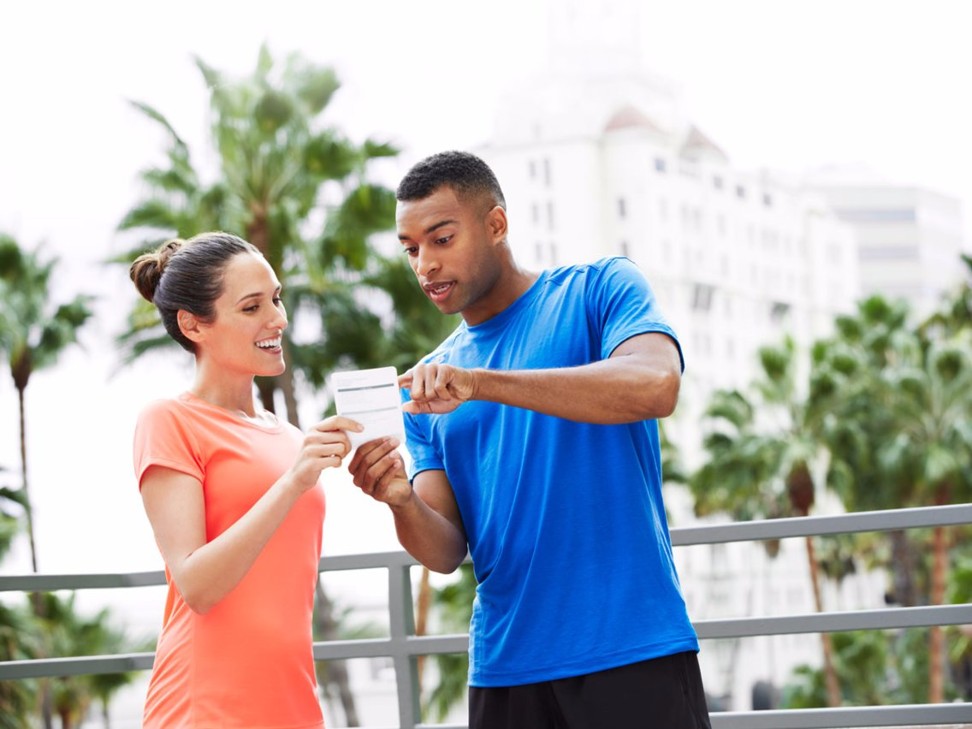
x=787, y=85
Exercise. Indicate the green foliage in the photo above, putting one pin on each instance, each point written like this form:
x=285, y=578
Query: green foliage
x=294, y=187
x=33, y=332
x=874, y=668
x=454, y=605
x=17, y=698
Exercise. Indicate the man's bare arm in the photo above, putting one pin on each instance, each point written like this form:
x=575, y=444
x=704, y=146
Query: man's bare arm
x=426, y=515
x=640, y=380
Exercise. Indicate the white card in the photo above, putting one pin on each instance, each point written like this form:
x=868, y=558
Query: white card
x=371, y=397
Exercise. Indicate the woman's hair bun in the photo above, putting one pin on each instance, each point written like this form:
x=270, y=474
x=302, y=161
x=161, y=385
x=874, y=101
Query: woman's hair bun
x=146, y=271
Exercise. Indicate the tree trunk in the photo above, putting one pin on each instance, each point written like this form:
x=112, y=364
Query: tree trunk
x=830, y=673
x=326, y=625
x=37, y=600
x=936, y=637
x=422, y=619
x=903, y=569
x=802, y=493
x=287, y=386
x=23, y=474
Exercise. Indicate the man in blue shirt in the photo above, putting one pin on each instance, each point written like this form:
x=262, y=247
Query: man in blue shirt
x=534, y=443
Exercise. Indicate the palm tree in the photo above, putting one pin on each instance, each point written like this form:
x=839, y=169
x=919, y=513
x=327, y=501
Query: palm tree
x=299, y=191
x=280, y=170
x=915, y=442
x=17, y=698
x=932, y=452
x=65, y=631
x=847, y=385
x=762, y=452
x=10, y=521
x=33, y=334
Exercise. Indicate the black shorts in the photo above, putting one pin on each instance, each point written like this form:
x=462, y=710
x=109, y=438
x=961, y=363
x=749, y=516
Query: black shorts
x=663, y=693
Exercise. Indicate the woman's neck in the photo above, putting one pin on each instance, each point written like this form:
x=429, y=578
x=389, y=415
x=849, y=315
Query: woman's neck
x=237, y=399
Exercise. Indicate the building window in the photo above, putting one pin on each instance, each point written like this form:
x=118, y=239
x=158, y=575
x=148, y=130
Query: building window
x=740, y=192
x=622, y=211
x=624, y=249
x=662, y=209
x=779, y=311
x=901, y=215
x=550, y=215
x=532, y=166
x=717, y=182
x=538, y=252
x=702, y=297
x=767, y=200
x=547, y=176
x=553, y=253
x=660, y=165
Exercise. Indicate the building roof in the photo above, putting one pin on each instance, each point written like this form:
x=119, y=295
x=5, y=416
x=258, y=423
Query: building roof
x=697, y=145
x=630, y=117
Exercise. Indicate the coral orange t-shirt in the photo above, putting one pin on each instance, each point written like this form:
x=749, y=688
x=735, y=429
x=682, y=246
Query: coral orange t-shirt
x=247, y=662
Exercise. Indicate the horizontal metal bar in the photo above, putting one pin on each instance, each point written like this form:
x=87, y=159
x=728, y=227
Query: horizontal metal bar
x=803, y=526
x=835, y=622
x=417, y=645
x=48, y=583
x=79, y=666
x=323, y=651
x=920, y=517
x=858, y=716
x=374, y=560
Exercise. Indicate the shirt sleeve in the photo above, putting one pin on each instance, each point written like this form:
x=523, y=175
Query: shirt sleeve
x=423, y=455
x=163, y=438
x=623, y=304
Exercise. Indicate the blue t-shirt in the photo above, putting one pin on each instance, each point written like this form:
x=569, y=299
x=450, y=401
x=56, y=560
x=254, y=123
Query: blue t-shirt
x=565, y=520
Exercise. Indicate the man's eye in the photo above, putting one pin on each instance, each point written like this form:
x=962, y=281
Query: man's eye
x=443, y=240
x=410, y=250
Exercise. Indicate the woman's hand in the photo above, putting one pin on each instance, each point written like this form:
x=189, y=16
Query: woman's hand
x=325, y=446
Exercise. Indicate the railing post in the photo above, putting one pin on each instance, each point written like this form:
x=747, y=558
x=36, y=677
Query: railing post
x=402, y=626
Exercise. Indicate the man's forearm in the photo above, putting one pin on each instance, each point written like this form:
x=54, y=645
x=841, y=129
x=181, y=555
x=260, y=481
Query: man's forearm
x=429, y=536
x=617, y=390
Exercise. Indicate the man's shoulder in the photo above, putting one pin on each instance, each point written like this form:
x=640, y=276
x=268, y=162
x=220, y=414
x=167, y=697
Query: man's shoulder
x=590, y=270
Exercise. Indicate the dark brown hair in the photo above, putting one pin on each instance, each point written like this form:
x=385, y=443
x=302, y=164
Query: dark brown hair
x=187, y=275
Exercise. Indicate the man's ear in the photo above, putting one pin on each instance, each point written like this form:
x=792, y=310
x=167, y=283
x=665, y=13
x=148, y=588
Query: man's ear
x=496, y=223
x=189, y=325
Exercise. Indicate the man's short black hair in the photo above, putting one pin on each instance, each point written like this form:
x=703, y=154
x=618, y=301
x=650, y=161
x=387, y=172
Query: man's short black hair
x=465, y=173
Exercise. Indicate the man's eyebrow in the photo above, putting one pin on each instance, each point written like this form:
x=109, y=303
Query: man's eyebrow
x=432, y=228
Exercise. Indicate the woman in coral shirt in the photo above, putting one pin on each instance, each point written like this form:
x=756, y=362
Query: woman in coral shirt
x=233, y=498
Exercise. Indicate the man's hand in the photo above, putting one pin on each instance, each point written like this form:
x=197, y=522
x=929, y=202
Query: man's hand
x=379, y=471
x=437, y=388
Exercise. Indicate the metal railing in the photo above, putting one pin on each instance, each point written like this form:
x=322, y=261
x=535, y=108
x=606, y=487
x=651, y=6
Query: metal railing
x=404, y=647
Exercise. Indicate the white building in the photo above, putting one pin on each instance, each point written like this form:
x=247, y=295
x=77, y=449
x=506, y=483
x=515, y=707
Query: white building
x=597, y=159
x=909, y=238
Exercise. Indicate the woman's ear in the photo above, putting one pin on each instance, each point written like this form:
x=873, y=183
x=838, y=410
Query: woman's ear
x=189, y=325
